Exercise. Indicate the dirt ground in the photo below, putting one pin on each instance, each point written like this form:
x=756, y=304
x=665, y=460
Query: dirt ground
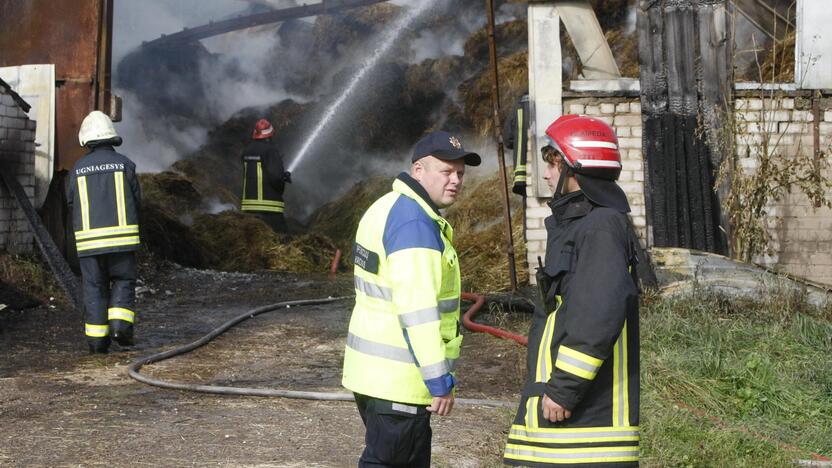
x=60, y=406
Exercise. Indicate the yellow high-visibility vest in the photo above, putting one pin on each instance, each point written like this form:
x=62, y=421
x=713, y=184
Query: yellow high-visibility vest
x=404, y=332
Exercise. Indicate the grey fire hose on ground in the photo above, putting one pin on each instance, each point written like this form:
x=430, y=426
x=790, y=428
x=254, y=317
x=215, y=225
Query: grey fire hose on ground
x=133, y=369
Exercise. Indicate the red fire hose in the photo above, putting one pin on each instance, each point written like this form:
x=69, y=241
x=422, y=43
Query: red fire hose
x=468, y=321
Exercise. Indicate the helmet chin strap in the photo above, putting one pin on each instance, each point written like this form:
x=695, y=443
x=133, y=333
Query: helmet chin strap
x=561, y=181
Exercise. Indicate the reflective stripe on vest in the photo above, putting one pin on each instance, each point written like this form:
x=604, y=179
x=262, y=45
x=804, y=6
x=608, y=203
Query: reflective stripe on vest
x=385, y=351
x=120, y=208
x=608, y=454
x=85, y=203
x=620, y=383
x=373, y=290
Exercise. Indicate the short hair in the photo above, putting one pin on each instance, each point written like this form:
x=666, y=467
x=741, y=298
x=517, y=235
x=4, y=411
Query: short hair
x=552, y=156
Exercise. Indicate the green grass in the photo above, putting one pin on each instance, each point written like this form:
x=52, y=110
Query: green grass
x=735, y=383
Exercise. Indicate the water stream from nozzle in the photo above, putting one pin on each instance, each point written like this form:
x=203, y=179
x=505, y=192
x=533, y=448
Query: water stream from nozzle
x=386, y=43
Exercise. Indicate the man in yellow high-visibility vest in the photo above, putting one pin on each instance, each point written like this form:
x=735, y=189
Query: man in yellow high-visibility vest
x=404, y=332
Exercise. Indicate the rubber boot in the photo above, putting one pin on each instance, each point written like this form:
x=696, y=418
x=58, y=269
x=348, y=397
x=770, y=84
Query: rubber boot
x=122, y=332
x=99, y=345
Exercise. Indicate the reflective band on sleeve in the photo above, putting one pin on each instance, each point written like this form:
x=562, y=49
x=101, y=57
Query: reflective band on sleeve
x=122, y=211
x=85, y=203
x=572, y=455
x=379, y=350
x=96, y=331
x=448, y=305
x=578, y=363
x=418, y=317
x=373, y=290
x=120, y=313
x=435, y=370
x=105, y=232
x=100, y=244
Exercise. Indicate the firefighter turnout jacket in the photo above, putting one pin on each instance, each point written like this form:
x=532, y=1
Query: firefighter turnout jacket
x=404, y=332
x=263, y=178
x=583, y=347
x=515, y=136
x=104, y=199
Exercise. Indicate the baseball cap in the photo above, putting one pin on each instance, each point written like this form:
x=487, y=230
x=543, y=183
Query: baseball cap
x=442, y=145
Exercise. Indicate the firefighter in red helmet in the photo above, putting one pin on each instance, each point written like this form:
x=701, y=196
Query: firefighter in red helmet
x=580, y=403
x=264, y=178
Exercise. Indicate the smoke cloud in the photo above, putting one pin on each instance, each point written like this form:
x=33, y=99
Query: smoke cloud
x=203, y=98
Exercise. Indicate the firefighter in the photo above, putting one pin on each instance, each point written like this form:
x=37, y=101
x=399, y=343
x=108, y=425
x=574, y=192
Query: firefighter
x=404, y=335
x=580, y=403
x=264, y=178
x=104, y=199
x=515, y=136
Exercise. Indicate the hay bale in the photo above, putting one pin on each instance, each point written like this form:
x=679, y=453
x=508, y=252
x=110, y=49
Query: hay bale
x=309, y=253
x=235, y=241
x=338, y=219
x=476, y=92
x=171, y=192
x=479, y=236
x=510, y=38
x=166, y=237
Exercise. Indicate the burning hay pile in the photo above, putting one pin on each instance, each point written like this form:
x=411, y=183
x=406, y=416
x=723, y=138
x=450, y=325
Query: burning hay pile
x=176, y=227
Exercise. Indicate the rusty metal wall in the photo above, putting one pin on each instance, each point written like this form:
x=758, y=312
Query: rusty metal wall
x=75, y=35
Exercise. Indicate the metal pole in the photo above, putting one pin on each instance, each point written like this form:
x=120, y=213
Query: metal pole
x=495, y=100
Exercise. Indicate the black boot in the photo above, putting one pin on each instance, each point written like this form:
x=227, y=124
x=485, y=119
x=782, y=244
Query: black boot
x=99, y=345
x=122, y=334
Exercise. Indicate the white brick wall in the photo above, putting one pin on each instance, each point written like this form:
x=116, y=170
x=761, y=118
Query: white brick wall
x=802, y=234
x=17, y=157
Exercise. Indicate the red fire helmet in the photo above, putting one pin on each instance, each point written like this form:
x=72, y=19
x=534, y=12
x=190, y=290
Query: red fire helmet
x=588, y=145
x=263, y=129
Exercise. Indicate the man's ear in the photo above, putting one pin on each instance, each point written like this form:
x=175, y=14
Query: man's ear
x=417, y=169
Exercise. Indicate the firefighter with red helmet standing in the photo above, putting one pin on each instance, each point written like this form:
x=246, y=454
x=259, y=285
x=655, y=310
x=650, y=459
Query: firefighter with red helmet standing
x=580, y=403
x=264, y=178
x=104, y=199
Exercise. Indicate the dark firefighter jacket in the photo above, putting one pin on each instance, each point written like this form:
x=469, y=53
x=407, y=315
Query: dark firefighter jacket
x=263, y=181
x=583, y=344
x=104, y=199
x=515, y=136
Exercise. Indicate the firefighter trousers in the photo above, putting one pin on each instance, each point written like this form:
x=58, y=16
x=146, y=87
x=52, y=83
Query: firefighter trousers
x=276, y=221
x=109, y=289
x=398, y=435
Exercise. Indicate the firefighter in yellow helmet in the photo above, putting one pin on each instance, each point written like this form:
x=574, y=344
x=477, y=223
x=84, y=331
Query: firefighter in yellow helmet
x=104, y=200
x=264, y=178
x=404, y=336
x=580, y=403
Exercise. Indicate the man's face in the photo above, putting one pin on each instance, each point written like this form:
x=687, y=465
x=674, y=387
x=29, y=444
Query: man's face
x=551, y=174
x=441, y=179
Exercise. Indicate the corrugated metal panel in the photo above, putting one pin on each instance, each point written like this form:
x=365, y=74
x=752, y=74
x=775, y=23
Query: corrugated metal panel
x=68, y=34
x=813, y=48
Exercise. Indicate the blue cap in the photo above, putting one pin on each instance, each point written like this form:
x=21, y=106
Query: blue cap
x=444, y=146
